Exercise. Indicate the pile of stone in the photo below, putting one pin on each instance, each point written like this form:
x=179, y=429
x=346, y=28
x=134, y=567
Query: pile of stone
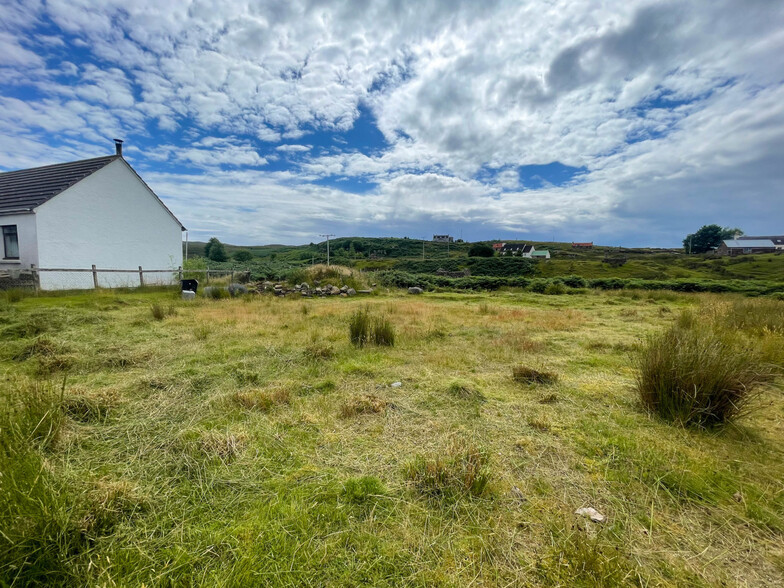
x=304, y=289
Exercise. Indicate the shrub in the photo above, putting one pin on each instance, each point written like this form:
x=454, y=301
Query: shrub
x=696, y=374
x=480, y=250
x=555, y=288
x=529, y=375
x=215, y=292
x=461, y=470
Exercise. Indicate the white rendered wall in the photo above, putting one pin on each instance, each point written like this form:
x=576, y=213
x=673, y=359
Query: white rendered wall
x=112, y=220
x=28, y=245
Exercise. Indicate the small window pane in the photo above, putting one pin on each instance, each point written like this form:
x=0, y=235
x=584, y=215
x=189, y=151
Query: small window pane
x=10, y=242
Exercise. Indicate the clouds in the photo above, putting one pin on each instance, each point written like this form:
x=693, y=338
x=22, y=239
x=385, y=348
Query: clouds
x=671, y=110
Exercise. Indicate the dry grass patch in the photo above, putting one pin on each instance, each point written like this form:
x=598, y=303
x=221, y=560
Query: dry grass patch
x=363, y=404
x=263, y=399
x=223, y=445
x=110, y=502
x=460, y=470
x=464, y=391
x=529, y=375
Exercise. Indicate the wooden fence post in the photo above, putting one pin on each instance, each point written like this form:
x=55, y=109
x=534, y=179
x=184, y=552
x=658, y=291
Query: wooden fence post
x=95, y=277
x=141, y=277
x=180, y=272
x=207, y=276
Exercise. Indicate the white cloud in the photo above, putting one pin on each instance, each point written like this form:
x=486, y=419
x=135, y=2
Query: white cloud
x=673, y=108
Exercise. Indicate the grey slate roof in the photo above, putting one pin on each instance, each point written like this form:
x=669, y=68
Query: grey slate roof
x=749, y=243
x=777, y=239
x=26, y=189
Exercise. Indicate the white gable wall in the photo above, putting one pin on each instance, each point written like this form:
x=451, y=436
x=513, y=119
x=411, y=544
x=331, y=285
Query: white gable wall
x=112, y=220
x=28, y=245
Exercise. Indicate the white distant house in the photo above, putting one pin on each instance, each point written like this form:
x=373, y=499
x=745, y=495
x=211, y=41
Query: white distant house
x=83, y=213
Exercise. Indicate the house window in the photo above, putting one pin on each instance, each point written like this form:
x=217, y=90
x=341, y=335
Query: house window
x=10, y=242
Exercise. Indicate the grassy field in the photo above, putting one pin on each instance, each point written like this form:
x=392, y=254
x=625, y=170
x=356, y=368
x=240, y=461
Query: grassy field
x=243, y=442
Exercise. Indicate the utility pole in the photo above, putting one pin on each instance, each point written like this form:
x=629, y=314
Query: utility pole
x=327, y=236
x=423, y=250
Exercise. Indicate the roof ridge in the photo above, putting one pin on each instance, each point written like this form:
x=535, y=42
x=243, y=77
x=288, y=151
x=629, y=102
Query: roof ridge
x=43, y=167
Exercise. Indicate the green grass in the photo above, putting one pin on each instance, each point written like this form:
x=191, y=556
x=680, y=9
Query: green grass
x=247, y=441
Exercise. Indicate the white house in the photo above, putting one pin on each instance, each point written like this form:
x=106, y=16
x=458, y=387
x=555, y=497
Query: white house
x=84, y=213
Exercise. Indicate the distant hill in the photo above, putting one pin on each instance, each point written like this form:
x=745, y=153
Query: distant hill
x=369, y=253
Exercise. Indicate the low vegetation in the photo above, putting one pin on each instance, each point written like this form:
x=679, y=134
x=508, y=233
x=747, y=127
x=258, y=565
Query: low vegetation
x=529, y=375
x=699, y=372
x=247, y=441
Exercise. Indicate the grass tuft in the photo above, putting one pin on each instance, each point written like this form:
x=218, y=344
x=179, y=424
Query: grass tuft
x=160, y=312
x=528, y=375
x=263, y=400
x=365, y=329
x=697, y=374
x=464, y=391
x=362, y=404
x=461, y=470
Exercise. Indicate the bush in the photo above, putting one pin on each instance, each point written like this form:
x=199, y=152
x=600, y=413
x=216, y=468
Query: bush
x=480, y=250
x=696, y=374
x=461, y=470
x=555, y=288
x=243, y=256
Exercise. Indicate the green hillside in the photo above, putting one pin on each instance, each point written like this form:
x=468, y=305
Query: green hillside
x=405, y=254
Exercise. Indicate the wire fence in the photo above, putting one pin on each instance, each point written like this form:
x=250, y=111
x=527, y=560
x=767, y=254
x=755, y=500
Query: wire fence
x=48, y=279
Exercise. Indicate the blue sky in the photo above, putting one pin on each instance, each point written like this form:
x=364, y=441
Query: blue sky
x=271, y=122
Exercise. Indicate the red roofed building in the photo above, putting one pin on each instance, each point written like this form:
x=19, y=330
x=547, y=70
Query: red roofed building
x=582, y=245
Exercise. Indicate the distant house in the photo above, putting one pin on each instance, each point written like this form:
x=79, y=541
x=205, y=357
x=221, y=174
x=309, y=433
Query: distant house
x=778, y=240
x=498, y=246
x=443, y=239
x=541, y=254
x=83, y=213
x=733, y=247
x=517, y=249
x=582, y=245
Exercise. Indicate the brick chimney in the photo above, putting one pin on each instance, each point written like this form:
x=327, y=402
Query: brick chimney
x=118, y=146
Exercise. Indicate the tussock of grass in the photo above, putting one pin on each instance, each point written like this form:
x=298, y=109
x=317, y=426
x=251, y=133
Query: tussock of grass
x=460, y=470
x=464, y=391
x=262, y=399
x=319, y=351
x=109, y=503
x=160, y=312
x=362, y=491
x=362, y=404
x=696, y=374
x=85, y=409
x=529, y=375
x=365, y=329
